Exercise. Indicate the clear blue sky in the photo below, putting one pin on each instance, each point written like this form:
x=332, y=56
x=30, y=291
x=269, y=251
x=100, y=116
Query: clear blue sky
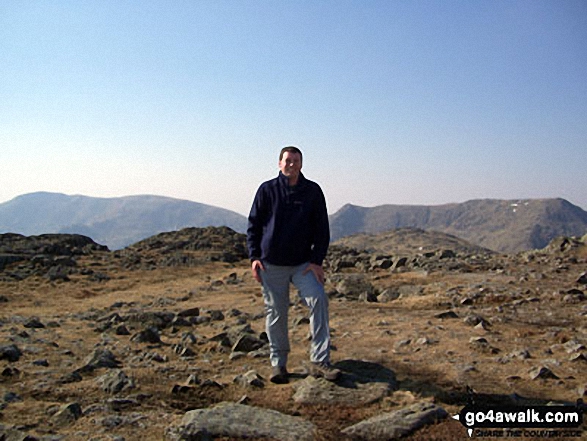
x=392, y=102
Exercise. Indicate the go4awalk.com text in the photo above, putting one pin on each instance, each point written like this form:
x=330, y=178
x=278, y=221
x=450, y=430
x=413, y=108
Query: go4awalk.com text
x=523, y=421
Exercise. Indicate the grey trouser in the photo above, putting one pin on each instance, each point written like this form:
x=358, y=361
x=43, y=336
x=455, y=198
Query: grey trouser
x=276, y=281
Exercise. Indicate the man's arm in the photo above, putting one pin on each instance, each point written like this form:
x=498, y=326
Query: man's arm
x=255, y=233
x=256, y=268
x=321, y=239
x=255, y=226
x=318, y=272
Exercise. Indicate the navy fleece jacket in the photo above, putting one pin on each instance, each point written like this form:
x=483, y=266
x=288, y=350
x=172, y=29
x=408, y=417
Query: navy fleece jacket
x=288, y=225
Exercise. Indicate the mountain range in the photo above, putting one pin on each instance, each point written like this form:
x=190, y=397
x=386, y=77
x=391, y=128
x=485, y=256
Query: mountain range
x=499, y=225
x=115, y=222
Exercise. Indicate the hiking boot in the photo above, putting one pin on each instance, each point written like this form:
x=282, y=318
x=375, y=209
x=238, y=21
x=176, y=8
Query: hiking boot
x=279, y=375
x=326, y=371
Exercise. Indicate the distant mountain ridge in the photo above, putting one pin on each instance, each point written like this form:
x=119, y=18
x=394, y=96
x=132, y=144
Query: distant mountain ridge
x=499, y=225
x=114, y=222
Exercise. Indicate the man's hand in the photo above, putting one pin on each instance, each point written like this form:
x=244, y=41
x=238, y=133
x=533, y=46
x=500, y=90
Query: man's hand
x=256, y=267
x=318, y=272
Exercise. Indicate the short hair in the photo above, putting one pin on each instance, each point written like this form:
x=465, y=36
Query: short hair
x=291, y=149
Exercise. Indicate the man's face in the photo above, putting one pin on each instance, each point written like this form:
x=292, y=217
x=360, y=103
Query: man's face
x=290, y=165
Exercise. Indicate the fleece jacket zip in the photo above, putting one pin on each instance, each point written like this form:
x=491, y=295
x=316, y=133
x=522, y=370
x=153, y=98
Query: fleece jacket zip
x=288, y=225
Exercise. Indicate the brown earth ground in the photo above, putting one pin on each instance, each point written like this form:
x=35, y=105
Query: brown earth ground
x=523, y=305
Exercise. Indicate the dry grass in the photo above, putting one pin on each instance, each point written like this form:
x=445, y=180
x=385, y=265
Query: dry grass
x=437, y=364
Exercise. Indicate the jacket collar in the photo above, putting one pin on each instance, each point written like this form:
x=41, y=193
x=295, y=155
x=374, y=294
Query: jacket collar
x=284, y=180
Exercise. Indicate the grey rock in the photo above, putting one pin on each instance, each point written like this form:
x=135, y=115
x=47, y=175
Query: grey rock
x=33, y=323
x=447, y=315
x=247, y=343
x=396, y=424
x=250, y=379
x=260, y=353
x=180, y=322
x=475, y=319
x=383, y=263
x=320, y=391
x=410, y=290
x=72, y=377
x=148, y=335
x=579, y=356
x=573, y=346
x=12, y=434
x=241, y=421
x=191, y=312
x=122, y=330
x=10, y=372
x=216, y=315
x=361, y=383
x=11, y=397
x=542, y=372
x=119, y=404
x=132, y=419
x=147, y=319
x=481, y=344
x=388, y=295
x=58, y=273
x=42, y=362
x=522, y=354
x=115, y=381
x=67, y=414
x=352, y=287
x=101, y=358
x=183, y=351
x=10, y=353
x=368, y=297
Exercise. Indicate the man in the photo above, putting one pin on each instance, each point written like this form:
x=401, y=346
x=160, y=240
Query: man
x=288, y=237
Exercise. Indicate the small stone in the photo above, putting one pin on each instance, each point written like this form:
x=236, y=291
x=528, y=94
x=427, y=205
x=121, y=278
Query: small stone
x=482, y=326
x=67, y=414
x=10, y=372
x=116, y=381
x=33, y=323
x=72, y=377
x=101, y=358
x=247, y=343
x=11, y=397
x=543, y=373
x=250, y=379
x=122, y=330
x=192, y=379
x=148, y=335
x=216, y=315
x=573, y=346
x=191, y=312
x=388, y=295
x=578, y=357
x=10, y=353
x=447, y=315
x=398, y=423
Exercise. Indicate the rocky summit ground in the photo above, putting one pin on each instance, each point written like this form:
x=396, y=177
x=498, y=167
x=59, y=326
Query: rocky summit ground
x=165, y=340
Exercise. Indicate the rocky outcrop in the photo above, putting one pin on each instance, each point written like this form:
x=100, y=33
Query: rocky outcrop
x=241, y=421
x=53, y=256
x=396, y=424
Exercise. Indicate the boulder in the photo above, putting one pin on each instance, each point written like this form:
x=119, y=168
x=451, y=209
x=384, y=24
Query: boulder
x=396, y=424
x=237, y=421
